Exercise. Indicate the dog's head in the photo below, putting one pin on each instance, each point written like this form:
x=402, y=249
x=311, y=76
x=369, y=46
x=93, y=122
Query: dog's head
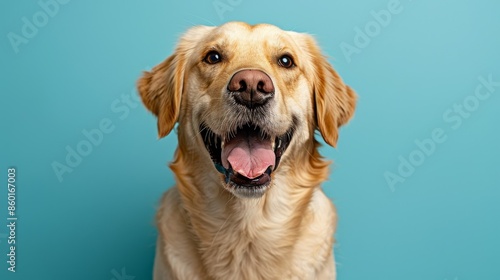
x=247, y=94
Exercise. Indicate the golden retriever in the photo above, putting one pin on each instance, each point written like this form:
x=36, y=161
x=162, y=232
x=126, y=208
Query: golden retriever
x=247, y=202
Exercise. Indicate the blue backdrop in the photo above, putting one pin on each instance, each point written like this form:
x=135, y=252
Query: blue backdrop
x=416, y=178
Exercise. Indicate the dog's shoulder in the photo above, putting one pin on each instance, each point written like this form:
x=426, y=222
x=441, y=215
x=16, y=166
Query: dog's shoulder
x=176, y=250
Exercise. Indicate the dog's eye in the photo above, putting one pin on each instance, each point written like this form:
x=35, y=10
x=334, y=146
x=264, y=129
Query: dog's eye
x=213, y=57
x=285, y=61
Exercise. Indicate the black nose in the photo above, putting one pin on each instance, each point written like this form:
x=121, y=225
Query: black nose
x=252, y=88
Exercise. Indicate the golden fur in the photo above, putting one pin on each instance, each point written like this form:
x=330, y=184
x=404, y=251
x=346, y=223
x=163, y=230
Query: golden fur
x=207, y=232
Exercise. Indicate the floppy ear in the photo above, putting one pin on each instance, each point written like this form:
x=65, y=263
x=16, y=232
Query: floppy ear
x=161, y=91
x=334, y=101
x=161, y=88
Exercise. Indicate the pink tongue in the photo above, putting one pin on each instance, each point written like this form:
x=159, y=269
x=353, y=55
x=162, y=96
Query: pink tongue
x=249, y=156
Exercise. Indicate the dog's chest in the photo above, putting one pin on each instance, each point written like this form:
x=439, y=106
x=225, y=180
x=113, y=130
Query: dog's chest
x=248, y=254
x=278, y=245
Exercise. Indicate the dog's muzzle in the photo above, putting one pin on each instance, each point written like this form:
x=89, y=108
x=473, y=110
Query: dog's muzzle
x=248, y=153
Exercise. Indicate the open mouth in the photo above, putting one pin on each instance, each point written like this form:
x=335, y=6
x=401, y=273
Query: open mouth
x=246, y=157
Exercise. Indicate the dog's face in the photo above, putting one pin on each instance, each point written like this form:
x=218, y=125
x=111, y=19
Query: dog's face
x=246, y=94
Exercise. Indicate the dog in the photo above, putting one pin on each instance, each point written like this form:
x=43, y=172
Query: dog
x=247, y=202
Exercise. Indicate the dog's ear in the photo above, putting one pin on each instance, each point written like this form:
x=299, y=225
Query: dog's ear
x=334, y=101
x=161, y=89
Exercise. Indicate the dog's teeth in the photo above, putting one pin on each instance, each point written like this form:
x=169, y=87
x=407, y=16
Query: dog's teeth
x=273, y=145
x=279, y=143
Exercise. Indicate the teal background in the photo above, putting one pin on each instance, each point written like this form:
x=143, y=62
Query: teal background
x=442, y=222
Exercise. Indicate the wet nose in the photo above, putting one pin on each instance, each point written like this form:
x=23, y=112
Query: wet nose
x=251, y=88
